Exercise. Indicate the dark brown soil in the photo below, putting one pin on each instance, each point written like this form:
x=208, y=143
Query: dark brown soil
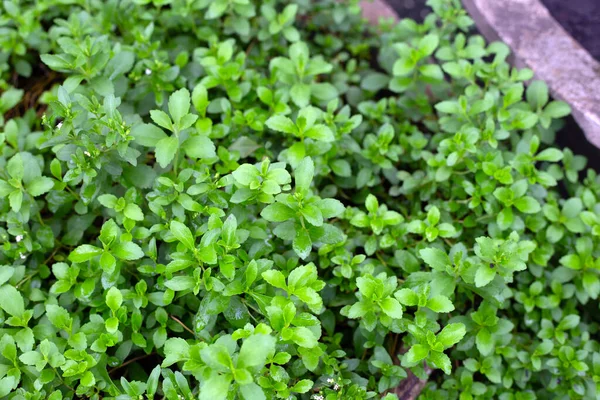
x=414, y=9
x=581, y=18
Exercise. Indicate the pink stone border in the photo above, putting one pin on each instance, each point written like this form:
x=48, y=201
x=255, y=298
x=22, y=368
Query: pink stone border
x=540, y=43
x=376, y=9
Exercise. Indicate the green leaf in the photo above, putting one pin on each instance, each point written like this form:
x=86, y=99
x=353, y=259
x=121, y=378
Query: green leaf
x=12, y=301
x=312, y=214
x=281, y=123
x=179, y=104
x=341, y=168
x=165, y=150
x=304, y=337
x=200, y=99
x=5, y=188
x=176, y=349
x=571, y=261
x=505, y=218
x=134, y=212
x=58, y=316
x=302, y=276
x=435, y=258
x=216, y=387
x=375, y=81
x=275, y=278
x=552, y=155
x=391, y=307
x=114, y=298
x=127, y=251
x=407, y=297
x=15, y=167
x=246, y=174
x=303, y=175
x=161, y=118
x=147, y=135
x=183, y=234
x=180, y=283
x=442, y=361
x=108, y=200
x=199, y=147
x=84, y=253
x=39, y=186
x=252, y=391
x=440, y=304
x=484, y=342
x=302, y=386
x=277, y=212
x=302, y=243
x=404, y=66
x=451, y=334
x=321, y=133
x=537, y=94
x=255, y=350
x=415, y=354
x=330, y=208
x=528, y=205
x=557, y=109
x=16, y=200
x=484, y=275
x=428, y=44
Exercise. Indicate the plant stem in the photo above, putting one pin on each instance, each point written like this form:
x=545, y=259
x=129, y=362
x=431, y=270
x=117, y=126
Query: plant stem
x=174, y=318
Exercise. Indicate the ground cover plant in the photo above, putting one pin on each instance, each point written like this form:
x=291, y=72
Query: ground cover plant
x=238, y=199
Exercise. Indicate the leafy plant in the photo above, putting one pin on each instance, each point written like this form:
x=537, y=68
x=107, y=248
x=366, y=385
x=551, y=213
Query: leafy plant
x=240, y=199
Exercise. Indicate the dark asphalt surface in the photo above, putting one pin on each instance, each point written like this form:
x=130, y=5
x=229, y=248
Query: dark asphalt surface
x=581, y=18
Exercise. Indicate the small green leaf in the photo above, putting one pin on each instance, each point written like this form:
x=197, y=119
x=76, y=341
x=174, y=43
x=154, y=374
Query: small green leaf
x=179, y=104
x=302, y=243
x=277, y=212
x=440, y=304
x=415, y=354
x=255, y=350
x=451, y=334
x=183, y=234
x=281, y=123
x=114, y=298
x=147, y=135
x=199, y=147
x=304, y=174
x=84, y=253
x=127, y=251
x=484, y=275
x=165, y=150
x=391, y=307
x=12, y=301
x=39, y=186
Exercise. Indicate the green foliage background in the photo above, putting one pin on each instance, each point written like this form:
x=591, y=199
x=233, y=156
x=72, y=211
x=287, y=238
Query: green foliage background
x=268, y=199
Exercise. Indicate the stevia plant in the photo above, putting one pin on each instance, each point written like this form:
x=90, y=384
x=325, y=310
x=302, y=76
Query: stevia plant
x=239, y=199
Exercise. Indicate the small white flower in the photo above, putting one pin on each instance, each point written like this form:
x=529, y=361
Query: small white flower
x=336, y=387
x=330, y=380
x=18, y=238
x=23, y=256
x=148, y=71
x=87, y=153
x=59, y=125
x=318, y=397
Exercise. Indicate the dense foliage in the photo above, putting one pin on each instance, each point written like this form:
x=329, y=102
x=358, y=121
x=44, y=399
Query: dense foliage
x=223, y=199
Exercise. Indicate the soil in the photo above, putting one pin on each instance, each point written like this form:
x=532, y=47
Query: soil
x=413, y=9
